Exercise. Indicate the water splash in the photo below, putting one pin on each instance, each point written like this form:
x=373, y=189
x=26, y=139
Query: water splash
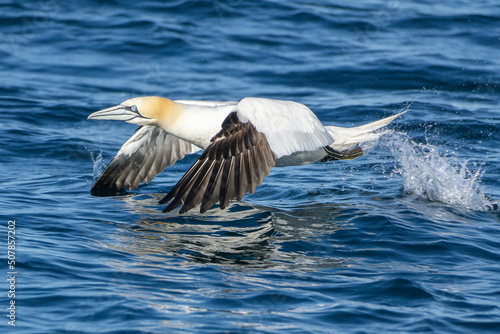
x=436, y=177
x=98, y=166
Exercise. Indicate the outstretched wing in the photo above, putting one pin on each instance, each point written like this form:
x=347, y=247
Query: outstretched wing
x=141, y=158
x=288, y=126
x=236, y=162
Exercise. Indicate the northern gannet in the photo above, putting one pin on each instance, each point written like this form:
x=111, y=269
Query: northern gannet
x=242, y=141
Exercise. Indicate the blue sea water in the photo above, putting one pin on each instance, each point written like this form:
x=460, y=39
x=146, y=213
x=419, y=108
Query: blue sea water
x=404, y=239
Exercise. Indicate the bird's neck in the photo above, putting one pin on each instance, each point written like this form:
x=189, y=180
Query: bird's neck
x=195, y=124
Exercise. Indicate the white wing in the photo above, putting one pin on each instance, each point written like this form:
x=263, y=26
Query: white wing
x=288, y=126
x=146, y=154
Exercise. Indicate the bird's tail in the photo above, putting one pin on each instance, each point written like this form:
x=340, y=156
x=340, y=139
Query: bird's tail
x=345, y=138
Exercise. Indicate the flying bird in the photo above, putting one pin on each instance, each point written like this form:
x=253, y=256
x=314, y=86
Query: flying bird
x=242, y=141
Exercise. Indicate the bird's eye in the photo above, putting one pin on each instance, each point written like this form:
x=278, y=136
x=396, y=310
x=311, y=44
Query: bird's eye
x=133, y=108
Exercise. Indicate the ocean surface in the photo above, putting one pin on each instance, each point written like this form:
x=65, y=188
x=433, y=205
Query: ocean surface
x=404, y=239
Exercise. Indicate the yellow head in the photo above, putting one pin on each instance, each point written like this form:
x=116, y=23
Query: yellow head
x=147, y=110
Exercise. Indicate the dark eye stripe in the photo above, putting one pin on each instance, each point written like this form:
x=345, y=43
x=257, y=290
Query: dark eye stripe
x=135, y=110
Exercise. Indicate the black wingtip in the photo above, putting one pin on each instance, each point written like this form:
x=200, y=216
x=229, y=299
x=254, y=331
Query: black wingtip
x=164, y=199
x=97, y=187
x=172, y=206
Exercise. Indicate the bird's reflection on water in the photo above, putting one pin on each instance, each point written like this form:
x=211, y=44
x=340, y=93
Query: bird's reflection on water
x=244, y=236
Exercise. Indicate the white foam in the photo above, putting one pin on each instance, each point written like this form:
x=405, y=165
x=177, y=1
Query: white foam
x=429, y=173
x=98, y=166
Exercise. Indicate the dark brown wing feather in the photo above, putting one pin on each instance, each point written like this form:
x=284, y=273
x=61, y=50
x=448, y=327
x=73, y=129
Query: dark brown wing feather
x=236, y=162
